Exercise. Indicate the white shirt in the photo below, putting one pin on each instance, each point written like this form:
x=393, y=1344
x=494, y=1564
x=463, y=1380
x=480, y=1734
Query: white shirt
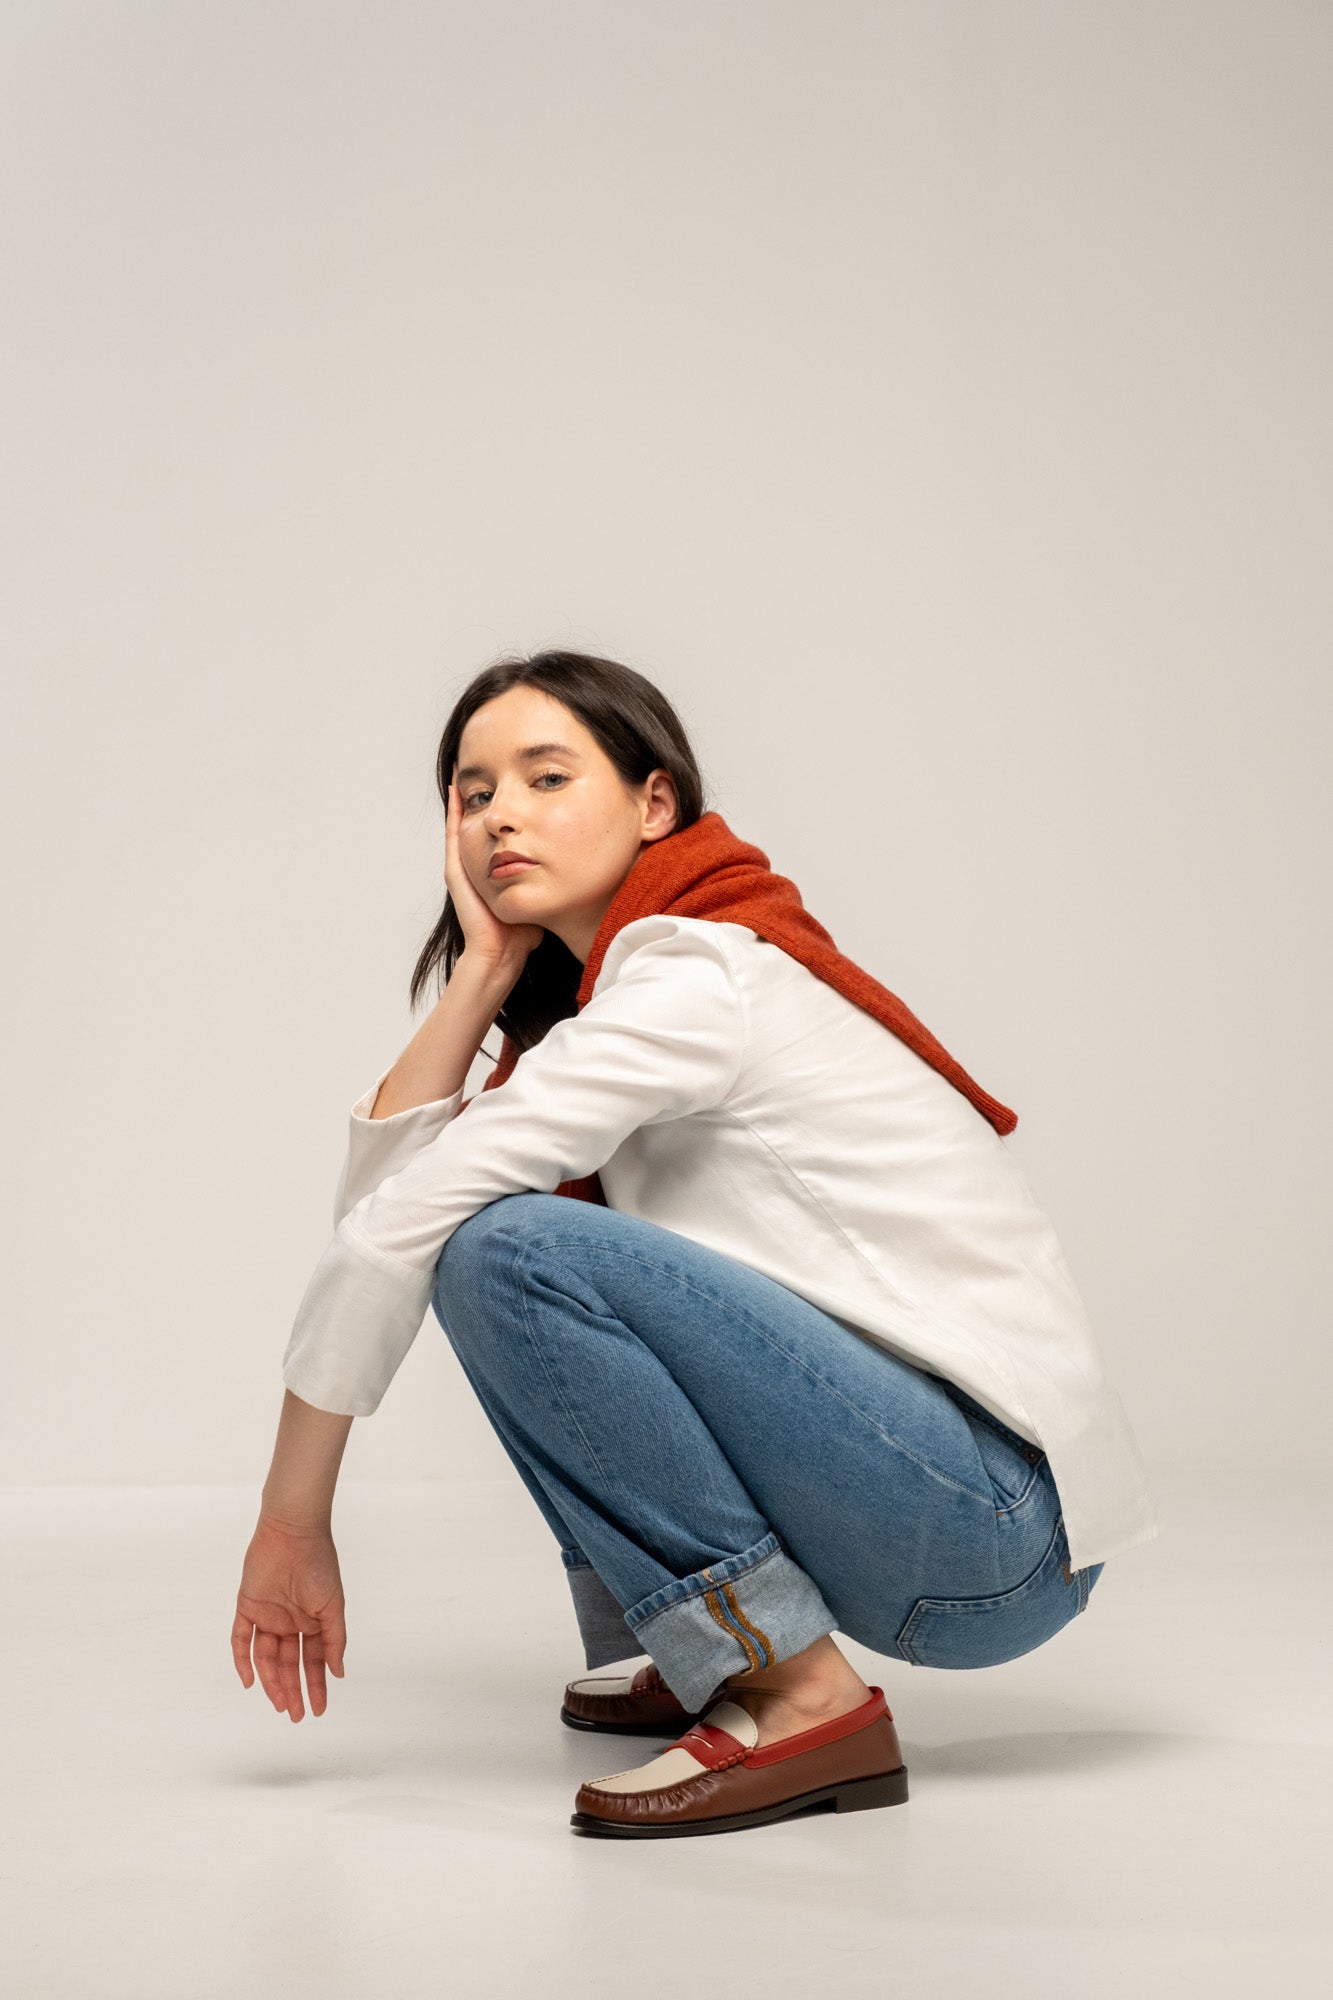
x=723, y=1090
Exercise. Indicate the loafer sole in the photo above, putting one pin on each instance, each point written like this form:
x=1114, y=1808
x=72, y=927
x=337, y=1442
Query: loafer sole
x=889, y=1788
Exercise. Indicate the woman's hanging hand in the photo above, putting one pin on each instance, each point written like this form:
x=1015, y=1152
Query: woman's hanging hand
x=290, y=1599
x=488, y=940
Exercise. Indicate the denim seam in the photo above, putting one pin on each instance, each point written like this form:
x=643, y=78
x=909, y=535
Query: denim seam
x=500, y=1423
x=556, y=1389
x=733, y=1312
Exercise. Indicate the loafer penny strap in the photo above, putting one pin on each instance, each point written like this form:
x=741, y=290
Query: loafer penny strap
x=712, y=1747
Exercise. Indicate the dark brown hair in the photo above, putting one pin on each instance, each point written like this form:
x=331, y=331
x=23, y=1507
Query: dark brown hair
x=640, y=732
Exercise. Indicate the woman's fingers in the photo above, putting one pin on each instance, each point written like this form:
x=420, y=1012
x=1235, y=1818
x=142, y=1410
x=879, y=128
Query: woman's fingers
x=333, y=1634
x=452, y=816
x=325, y=1648
x=277, y=1661
x=289, y=1661
x=242, y=1632
x=316, y=1685
x=267, y=1667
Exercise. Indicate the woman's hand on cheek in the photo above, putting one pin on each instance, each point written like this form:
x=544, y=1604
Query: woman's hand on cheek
x=487, y=938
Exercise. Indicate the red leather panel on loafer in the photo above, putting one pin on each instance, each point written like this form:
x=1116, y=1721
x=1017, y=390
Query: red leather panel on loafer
x=711, y=1746
x=823, y=1732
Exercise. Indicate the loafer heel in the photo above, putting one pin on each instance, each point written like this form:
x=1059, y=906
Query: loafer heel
x=863, y=1793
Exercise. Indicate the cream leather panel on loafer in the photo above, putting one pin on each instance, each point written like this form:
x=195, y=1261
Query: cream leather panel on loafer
x=673, y=1766
x=604, y=1683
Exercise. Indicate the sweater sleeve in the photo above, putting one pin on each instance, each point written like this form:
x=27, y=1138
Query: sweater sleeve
x=378, y=1147
x=663, y=1040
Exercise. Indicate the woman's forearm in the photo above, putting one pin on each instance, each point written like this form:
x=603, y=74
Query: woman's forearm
x=298, y=1492
x=436, y=1061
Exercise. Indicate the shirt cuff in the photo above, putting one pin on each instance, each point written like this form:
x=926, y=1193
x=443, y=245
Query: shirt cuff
x=378, y=1147
x=437, y=1111
x=360, y=1314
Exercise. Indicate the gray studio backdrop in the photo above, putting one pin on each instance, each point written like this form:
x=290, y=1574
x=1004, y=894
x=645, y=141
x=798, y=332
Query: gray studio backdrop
x=934, y=399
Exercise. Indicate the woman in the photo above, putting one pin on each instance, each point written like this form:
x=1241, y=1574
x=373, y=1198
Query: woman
x=734, y=1256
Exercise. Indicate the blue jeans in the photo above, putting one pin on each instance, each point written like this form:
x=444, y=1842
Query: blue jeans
x=731, y=1473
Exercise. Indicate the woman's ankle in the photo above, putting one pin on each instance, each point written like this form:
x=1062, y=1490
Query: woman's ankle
x=810, y=1687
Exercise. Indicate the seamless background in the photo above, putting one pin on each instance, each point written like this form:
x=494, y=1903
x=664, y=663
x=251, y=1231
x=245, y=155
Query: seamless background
x=935, y=400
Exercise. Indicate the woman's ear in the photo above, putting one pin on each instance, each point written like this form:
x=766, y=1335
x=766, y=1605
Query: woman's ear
x=663, y=807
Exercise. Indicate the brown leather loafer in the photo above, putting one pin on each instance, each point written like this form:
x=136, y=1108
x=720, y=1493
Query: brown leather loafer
x=715, y=1778
x=639, y=1704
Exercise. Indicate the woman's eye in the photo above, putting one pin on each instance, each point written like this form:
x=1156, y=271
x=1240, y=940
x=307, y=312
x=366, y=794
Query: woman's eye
x=470, y=798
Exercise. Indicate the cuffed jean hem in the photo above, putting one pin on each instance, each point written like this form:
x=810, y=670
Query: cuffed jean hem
x=747, y=1611
x=606, y=1636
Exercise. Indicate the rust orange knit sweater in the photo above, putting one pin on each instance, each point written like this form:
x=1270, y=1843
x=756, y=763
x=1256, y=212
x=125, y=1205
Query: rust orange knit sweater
x=705, y=870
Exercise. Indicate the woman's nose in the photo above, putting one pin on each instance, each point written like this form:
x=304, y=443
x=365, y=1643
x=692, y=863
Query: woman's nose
x=500, y=817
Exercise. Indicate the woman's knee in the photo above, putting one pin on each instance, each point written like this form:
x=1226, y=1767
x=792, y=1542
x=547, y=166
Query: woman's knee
x=483, y=1244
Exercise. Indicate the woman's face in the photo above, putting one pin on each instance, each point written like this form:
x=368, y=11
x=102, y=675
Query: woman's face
x=567, y=809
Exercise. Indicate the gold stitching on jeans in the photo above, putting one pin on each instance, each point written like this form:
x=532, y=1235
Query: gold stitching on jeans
x=729, y=1592
x=742, y=1638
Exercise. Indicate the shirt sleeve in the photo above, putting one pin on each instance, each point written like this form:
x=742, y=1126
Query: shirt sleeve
x=663, y=1040
x=378, y=1147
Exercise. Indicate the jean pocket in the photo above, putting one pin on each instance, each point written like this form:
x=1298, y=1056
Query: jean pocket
x=984, y=1631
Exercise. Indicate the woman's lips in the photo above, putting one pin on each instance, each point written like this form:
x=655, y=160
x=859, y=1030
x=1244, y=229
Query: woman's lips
x=511, y=868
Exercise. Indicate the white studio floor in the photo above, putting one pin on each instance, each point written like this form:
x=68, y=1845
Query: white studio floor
x=1142, y=1806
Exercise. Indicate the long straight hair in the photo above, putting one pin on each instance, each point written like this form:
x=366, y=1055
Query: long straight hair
x=640, y=732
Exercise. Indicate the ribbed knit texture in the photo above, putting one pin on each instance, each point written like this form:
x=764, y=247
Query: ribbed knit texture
x=705, y=870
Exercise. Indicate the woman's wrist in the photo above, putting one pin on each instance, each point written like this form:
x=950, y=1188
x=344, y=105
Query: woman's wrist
x=314, y=1527
x=436, y=1062
x=297, y=1495
x=489, y=974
